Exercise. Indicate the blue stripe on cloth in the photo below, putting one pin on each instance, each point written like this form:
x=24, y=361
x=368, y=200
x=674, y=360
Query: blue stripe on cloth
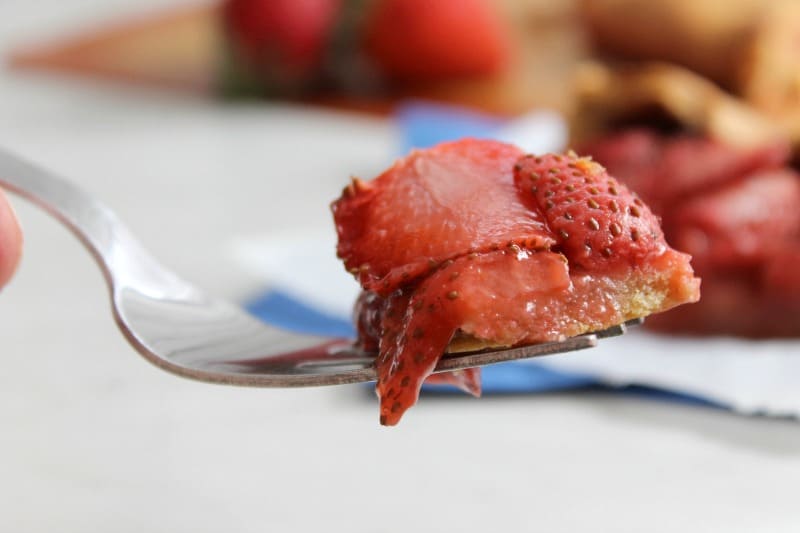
x=424, y=124
x=515, y=377
x=282, y=310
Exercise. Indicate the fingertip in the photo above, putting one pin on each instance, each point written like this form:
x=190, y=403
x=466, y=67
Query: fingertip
x=10, y=240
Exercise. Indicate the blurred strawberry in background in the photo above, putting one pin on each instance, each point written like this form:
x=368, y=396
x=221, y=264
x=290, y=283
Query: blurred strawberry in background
x=422, y=40
x=290, y=47
x=278, y=45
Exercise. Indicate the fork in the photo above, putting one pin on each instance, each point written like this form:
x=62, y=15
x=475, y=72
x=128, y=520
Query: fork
x=183, y=330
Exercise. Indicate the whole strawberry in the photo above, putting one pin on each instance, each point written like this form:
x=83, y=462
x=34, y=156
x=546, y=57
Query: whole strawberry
x=424, y=40
x=291, y=47
x=277, y=46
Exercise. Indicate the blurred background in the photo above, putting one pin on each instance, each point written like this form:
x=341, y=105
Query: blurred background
x=221, y=132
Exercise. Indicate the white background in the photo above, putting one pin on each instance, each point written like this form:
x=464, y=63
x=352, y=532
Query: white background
x=96, y=440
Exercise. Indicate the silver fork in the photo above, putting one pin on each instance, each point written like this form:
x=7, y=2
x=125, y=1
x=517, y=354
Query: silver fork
x=182, y=330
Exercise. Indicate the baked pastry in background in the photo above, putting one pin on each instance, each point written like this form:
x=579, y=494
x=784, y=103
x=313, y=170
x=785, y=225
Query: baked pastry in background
x=748, y=47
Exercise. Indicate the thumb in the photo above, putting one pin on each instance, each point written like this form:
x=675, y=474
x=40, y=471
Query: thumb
x=10, y=240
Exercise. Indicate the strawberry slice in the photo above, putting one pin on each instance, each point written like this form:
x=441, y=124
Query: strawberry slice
x=741, y=225
x=522, y=249
x=278, y=45
x=663, y=168
x=380, y=320
x=432, y=206
x=598, y=221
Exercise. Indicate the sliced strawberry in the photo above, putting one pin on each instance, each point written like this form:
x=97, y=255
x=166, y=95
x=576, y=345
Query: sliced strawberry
x=432, y=206
x=740, y=225
x=664, y=168
x=597, y=220
x=376, y=323
x=691, y=164
x=460, y=295
x=421, y=40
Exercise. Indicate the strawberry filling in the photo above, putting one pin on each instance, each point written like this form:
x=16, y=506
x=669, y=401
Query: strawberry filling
x=517, y=249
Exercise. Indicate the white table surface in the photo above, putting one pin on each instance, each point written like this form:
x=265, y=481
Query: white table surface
x=94, y=439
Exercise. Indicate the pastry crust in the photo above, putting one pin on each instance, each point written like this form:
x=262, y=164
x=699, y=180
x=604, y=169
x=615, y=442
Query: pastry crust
x=748, y=47
x=610, y=95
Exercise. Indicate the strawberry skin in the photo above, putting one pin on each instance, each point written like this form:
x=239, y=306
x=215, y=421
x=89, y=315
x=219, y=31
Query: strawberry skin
x=431, y=206
x=422, y=40
x=597, y=221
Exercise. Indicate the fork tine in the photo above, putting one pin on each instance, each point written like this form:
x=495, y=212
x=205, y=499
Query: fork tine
x=513, y=354
x=619, y=329
x=635, y=322
x=613, y=331
x=581, y=342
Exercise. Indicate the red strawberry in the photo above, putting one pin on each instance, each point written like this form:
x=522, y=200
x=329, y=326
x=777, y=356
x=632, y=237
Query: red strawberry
x=665, y=168
x=691, y=164
x=282, y=42
x=741, y=225
x=597, y=220
x=432, y=206
x=380, y=320
x=420, y=40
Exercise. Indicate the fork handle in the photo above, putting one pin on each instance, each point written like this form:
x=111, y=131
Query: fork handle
x=122, y=259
